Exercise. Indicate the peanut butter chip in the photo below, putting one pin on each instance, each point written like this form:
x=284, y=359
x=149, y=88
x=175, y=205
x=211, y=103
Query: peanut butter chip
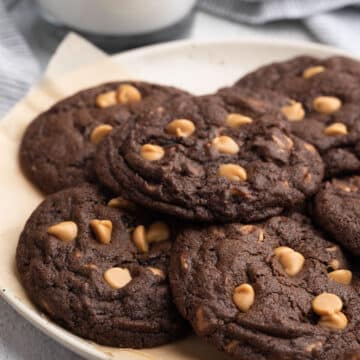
x=102, y=230
x=248, y=229
x=117, y=277
x=307, y=177
x=337, y=321
x=100, y=132
x=121, y=203
x=139, y=238
x=282, y=250
x=158, y=231
x=236, y=120
x=152, y=152
x=157, y=272
x=183, y=262
x=78, y=254
x=312, y=71
x=180, y=128
x=202, y=324
x=128, y=94
x=314, y=346
x=346, y=187
x=294, y=111
x=284, y=143
x=90, y=266
x=332, y=248
x=343, y=186
x=327, y=304
x=291, y=260
x=244, y=297
x=261, y=236
x=106, y=99
x=233, y=172
x=341, y=276
x=327, y=104
x=225, y=145
x=65, y=231
x=309, y=148
x=334, y=264
x=336, y=129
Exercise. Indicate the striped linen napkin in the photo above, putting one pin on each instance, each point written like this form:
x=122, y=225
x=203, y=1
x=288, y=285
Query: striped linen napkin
x=18, y=67
x=335, y=22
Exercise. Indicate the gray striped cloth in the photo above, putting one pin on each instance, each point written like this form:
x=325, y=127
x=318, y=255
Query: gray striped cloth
x=334, y=22
x=18, y=67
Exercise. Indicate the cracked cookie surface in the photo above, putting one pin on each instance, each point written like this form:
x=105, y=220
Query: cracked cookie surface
x=337, y=209
x=329, y=92
x=79, y=263
x=273, y=290
x=58, y=147
x=218, y=157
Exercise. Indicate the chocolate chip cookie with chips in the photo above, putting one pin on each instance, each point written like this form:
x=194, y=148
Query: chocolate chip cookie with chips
x=337, y=210
x=325, y=96
x=211, y=158
x=99, y=267
x=58, y=147
x=274, y=290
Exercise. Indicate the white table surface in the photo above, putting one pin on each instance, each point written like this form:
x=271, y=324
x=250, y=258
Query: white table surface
x=18, y=339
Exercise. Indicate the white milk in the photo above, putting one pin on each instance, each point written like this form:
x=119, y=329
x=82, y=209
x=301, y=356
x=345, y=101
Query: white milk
x=117, y=17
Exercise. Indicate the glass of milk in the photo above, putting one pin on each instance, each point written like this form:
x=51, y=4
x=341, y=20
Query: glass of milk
x=121, y=23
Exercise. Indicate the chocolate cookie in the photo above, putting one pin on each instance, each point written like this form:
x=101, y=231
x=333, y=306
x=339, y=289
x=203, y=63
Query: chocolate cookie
x=58, y=147
x=325, y=107
x=277, y=290
x=210, y=158
x=288, y=75
x=100, y=269
x=337, y=210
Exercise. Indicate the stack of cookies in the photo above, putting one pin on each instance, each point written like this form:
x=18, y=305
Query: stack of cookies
x=236, y=213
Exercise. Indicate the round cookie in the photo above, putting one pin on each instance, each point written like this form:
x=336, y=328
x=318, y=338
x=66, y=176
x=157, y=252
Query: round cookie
x=58, y=147
x=289, y=75
x=337, y=209
x=98, y=270
x=327, y=92
x=277, y=290
x=210, y=158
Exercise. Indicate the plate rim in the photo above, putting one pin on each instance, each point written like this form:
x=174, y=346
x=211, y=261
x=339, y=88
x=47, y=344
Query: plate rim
x=251, y=40
x=64, y=337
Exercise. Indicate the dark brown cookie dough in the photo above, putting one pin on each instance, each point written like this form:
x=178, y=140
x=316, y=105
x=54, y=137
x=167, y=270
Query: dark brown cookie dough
x=219, y=157
x=58, y=147
x=328, y=90
x=337, y=209
x=91, y=277
x=257, y=291
x=291, y=75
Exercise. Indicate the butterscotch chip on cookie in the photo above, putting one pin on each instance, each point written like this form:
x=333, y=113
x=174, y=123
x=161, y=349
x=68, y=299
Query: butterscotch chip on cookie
x=263, y=291
x=337, y=210
x=219, y=157
x=79, y=264
x=58, y=147
x=327, y=92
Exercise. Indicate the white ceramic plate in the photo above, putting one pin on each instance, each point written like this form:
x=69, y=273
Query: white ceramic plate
x=199, y=67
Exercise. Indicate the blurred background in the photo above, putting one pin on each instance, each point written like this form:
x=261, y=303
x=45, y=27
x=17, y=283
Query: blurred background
x=31, y=30
x=115, y=25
